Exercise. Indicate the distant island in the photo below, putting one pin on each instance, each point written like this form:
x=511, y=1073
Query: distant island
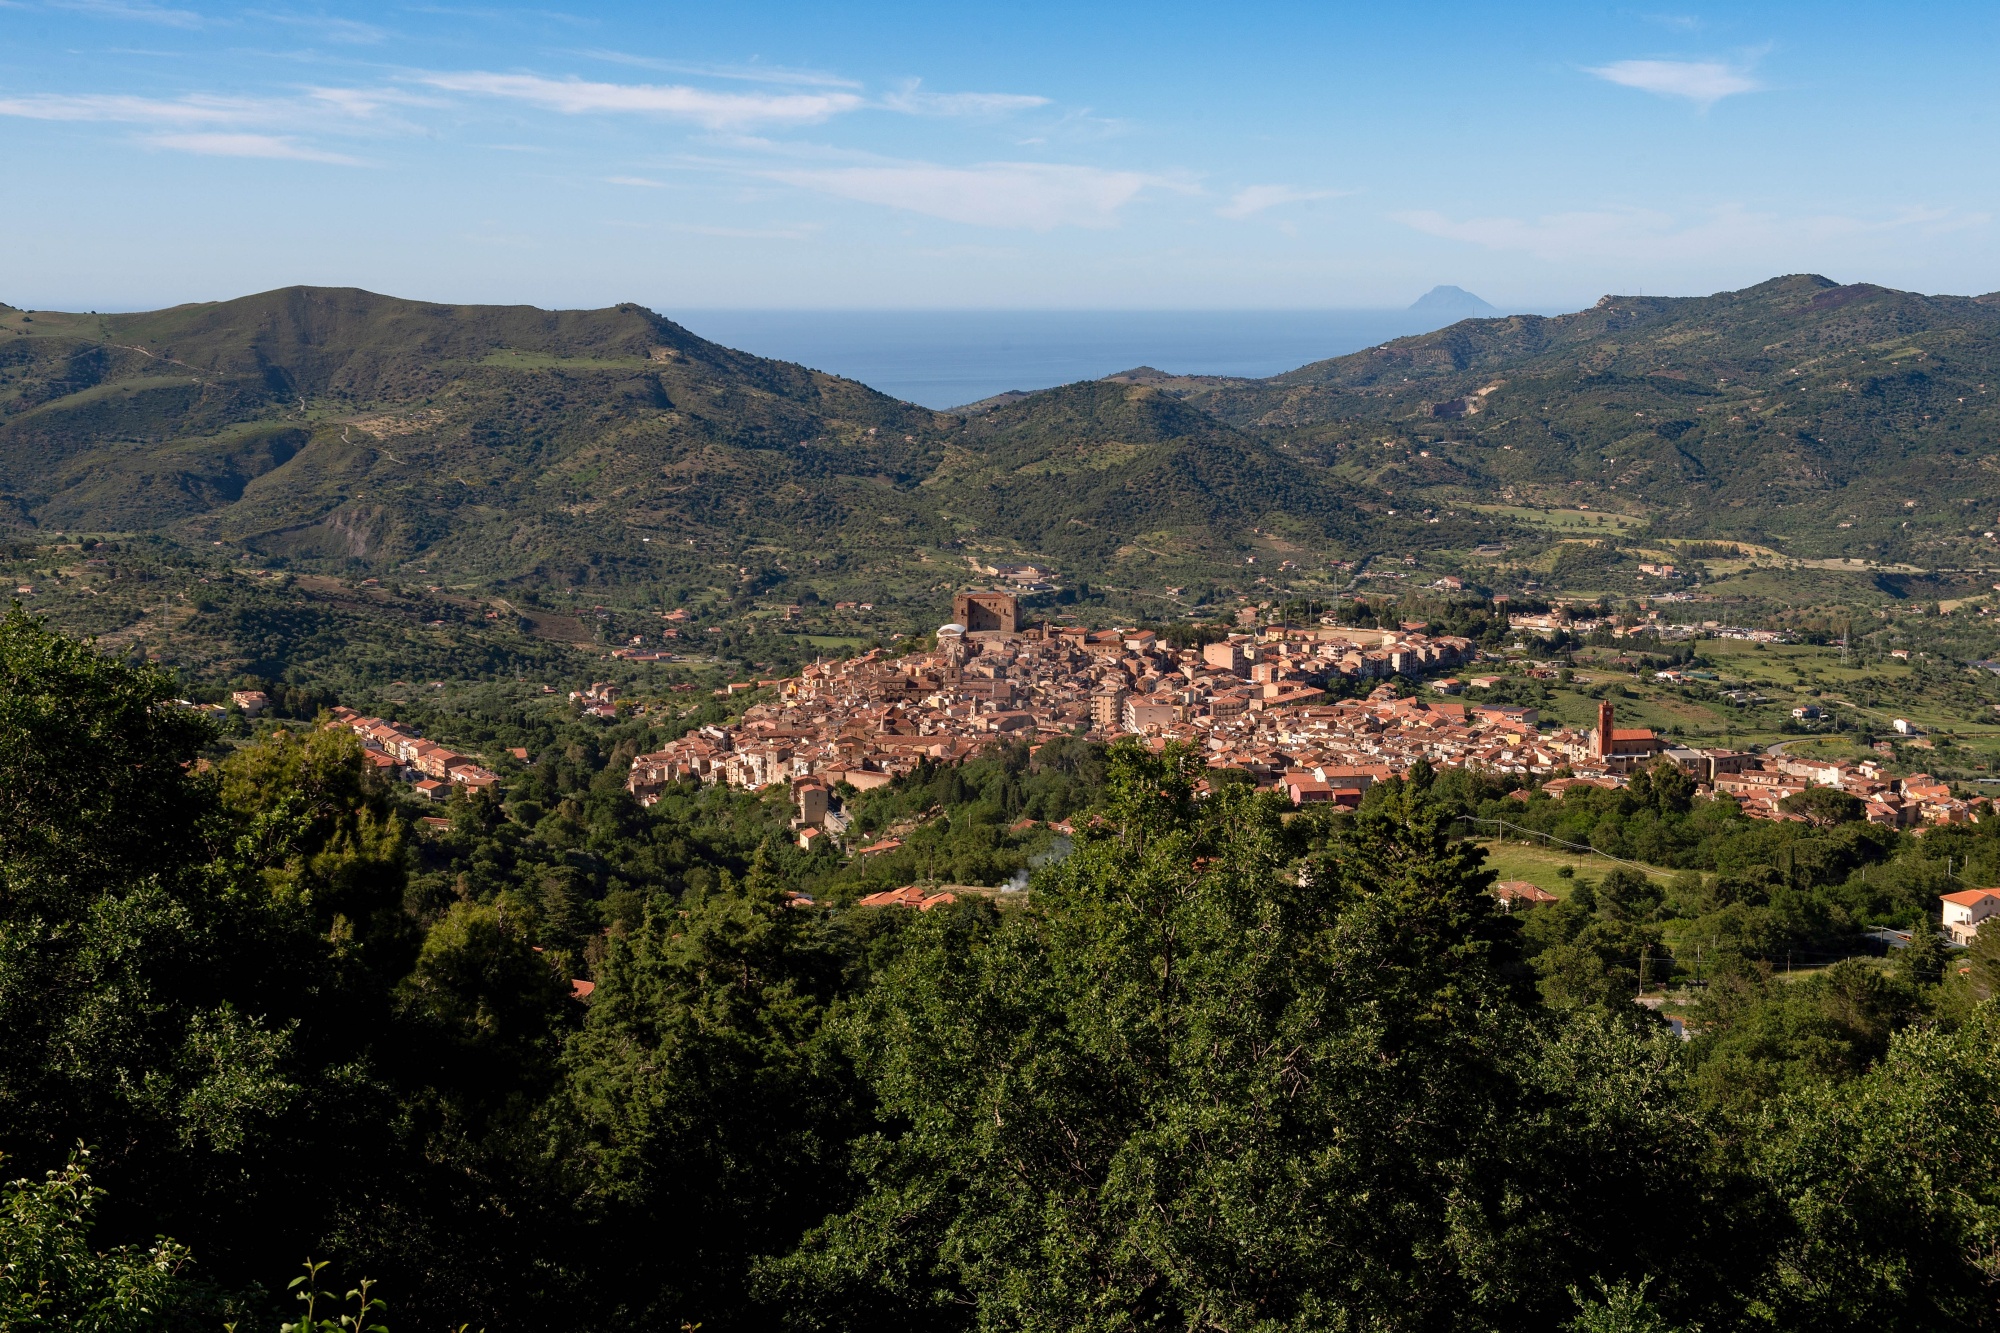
x=1455, y=302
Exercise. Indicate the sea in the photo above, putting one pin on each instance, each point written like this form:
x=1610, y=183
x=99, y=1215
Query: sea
x=947, y=358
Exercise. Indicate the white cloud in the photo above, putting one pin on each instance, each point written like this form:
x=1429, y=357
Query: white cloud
x=117, y=107
x=912, y=100
x=246, y=145
x=771, y=75
x=1254, y=199
x=358, y=104
x=219, y=126
x=1703, y=82
x=348, y=32
x=713, y=109
x=376, y=107
x=1729, y=232
x=635, y=180
x=132, y=9
x=1030, y=196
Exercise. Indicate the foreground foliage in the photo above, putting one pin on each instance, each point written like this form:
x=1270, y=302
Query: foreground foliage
x=1228, y=1066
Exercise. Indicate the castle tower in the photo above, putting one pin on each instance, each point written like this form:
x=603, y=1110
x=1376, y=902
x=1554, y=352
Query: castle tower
x=1604, y=729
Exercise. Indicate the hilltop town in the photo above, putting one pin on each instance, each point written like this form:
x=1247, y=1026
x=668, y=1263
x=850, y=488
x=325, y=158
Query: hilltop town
x=1258, y=701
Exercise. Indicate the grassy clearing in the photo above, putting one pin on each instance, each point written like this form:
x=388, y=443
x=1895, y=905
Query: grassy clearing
x=512, y=359
x=1538, y=865
x=1659, y=709
x=1595, y=520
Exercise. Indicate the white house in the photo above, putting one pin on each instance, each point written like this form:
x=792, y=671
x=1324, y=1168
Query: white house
x=1964, y=910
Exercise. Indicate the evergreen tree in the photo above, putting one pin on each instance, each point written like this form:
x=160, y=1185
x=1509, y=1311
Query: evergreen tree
x=704, y=1118
x=1207, y=1082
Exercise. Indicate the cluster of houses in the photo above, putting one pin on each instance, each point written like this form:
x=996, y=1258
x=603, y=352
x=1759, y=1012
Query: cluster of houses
x=250, y=703
x=402, y=755
x=1762, y=782
x=1255, y=701
x=600, y=700
x=866, y=719
x=1564, y=618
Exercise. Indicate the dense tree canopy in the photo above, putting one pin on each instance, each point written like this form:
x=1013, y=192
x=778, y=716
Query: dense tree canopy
x=1226, y=1065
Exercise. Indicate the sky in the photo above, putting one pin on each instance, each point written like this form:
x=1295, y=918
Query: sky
x=1010, y=154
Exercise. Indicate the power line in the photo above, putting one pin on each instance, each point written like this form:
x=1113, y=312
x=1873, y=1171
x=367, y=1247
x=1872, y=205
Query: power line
x=1573, y=846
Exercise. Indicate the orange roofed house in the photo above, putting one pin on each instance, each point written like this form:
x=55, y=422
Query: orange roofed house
x=1514, y=893
x=1964, y=910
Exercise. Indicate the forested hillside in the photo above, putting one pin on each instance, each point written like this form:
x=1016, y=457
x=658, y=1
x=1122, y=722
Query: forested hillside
x=509, y=448
x=1222, y=1066
x=333, y=425
x=1836, y=420
x=334, y=428
x=1096, y=473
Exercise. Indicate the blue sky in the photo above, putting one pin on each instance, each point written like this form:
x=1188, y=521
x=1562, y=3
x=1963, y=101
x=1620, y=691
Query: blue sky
x=1035, y=155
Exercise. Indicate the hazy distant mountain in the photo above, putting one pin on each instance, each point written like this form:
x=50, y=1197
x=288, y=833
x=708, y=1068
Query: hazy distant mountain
x=1452, y=303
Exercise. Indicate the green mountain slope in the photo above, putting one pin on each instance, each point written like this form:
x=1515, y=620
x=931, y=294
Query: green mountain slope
x=1844, y=420
x=342, y=431
x=337, y=425
x=335, y=428
x=1100, y=472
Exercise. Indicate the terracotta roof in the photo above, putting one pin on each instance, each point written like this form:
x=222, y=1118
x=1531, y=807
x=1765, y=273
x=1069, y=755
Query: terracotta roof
x=1520, y=888
x=1970, y=897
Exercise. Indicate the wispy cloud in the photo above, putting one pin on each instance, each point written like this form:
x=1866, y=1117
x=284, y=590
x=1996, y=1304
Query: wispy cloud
x=640, y=181
x=1703, y=82
x=1729, y=232
x=716, y=110
x=1678, y=22
x=1254, y=199
x=775, y=76
x=1029, y=196
x=311, y=110
x=132, y=10
x=118, y=107
x=227, y=126
x=911, y=99
x=368, y=103
x=347, y=32
x=247, y=145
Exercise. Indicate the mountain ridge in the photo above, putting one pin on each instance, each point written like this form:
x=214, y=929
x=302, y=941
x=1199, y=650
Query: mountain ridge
x=1798, y=408
x=333, y=426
